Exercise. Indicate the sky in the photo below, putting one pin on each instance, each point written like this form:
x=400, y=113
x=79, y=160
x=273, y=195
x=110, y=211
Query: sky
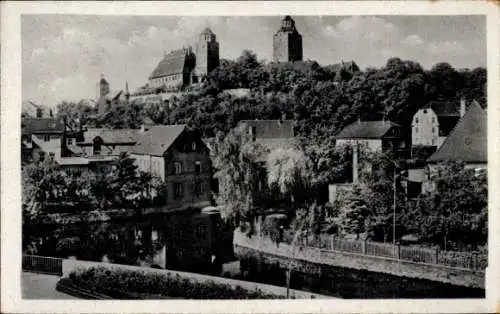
x=63, y=56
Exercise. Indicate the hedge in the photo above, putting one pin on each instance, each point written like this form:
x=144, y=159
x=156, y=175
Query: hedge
x=130, y=284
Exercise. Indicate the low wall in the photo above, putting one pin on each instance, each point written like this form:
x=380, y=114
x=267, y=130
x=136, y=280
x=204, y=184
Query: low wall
x=72, y=265
x=439, y=273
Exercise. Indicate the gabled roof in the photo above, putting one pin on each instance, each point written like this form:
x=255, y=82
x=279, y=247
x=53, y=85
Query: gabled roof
x=443, y=108
x=117, y=136
x=173, y=63
x=41, y=125
x=271, y=128
x=467, y=142
x=157, y=140
x=366, y=130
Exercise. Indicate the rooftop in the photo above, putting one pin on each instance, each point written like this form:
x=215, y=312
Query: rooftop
x=467, y=141
x=158, y=139
x=118, y=136
x=172, y=63
x=271, y=128
x=366, y=130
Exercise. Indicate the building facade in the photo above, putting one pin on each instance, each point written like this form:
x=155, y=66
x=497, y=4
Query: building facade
x=181, y=160
x=287, y=42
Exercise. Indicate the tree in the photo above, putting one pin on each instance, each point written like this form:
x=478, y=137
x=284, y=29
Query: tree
x=237, y=170
x=381, y=188
x=459, y=202
x=354, y=214
x=288, y=174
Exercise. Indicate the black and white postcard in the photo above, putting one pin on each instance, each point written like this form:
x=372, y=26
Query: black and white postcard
x=156, y=154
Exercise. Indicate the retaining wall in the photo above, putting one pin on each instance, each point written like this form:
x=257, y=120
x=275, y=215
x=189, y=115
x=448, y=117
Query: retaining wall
x=455, y=276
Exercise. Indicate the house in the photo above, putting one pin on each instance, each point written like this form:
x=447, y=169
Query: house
x=434, y=122
x=180, y=159
x=467, y=143
x=270, y=134
x=375, y=136
x=40, y=137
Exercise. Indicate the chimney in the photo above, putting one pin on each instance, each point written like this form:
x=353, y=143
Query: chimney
x=462, y=107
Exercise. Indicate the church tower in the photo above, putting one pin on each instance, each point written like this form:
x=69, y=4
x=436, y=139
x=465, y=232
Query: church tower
x=103, y=87
x=287, y=42
x=207, y=53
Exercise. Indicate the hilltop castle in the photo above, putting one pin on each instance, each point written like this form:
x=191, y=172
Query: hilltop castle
x=185, y=67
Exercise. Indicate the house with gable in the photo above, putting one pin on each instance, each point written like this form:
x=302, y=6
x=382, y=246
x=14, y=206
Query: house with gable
x=374, y=136
x=434, y=122
x=180, y=158
x=40, y=138
x=467, y=142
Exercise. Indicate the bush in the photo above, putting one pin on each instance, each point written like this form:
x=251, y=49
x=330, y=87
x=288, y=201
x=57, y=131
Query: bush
x=129, y=284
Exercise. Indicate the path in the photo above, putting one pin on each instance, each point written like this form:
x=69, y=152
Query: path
x=38, y=286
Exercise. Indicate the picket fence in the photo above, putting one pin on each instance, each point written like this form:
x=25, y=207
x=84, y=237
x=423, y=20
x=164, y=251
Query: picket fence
x=434, y=256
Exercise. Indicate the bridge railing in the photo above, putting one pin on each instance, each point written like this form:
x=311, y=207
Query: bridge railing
x=433, y=256
x=43, y=265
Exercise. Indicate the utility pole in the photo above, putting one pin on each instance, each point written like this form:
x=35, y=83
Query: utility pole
x=394, y=208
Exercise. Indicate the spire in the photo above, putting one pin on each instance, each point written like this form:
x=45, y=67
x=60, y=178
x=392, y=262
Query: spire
x=126, y=87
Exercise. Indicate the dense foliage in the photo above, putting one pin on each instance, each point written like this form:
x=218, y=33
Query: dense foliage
x=47, y=188
x=322, y=103
x=129, y=284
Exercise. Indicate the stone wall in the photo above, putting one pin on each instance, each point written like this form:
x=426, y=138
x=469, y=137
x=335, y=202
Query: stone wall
x=439, y=273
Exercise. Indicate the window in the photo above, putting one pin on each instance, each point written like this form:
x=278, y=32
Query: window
x=433, y=130
x=425, y=111
x=201, y=231
x=177, y=168
x=433, y=120
x=198, y=188
x=70, y=141
x=178, y=191
x=46, y=138
x=416, y=129
x=197, y=167
x=41, y=156
x=97, y=147
x=416, y=120
x=193, y=146
x=433, y=142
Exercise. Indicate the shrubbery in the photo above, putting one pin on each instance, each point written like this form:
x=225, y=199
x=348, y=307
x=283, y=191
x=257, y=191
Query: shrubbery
x=128, y=284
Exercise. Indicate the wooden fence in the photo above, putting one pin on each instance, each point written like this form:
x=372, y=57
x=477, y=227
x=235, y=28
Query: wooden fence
x=42, y=264
x=434, y=256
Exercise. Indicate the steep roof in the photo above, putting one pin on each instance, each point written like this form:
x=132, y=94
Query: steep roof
x=41, y=125
x=366, y=130
x=467, y=142
x=271, y=128
x=158, y=139
x=118, y=136
x=173, y=63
